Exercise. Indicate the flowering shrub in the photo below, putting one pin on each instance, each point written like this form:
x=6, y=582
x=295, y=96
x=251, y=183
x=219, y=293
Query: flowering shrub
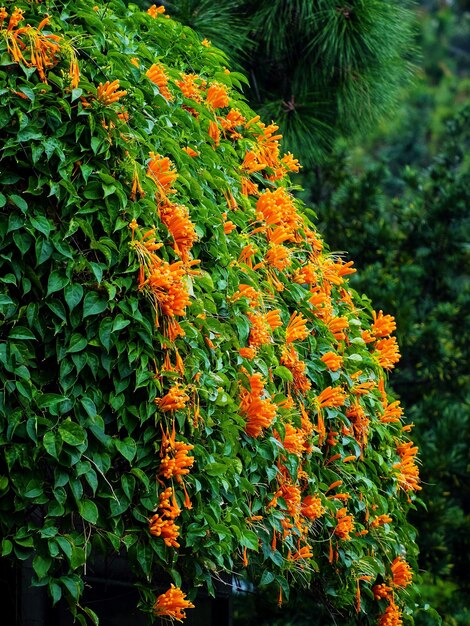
x=187, y=376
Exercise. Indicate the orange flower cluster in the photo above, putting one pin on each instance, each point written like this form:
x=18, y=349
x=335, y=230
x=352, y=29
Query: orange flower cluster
x=278, y=256
x=380, y=520
x=382, y=591
x=297, y=367
x=259, y=411
x=276, y=208
x=217, y=96
x=155, y=11
x=231, y=122
x=388, y=352
x=175, y=399
x=262, y=324
x=176, y=219
x=161, y=170
x=333, y=270
x=294, y=439
x=162, y=524
x=172, y=604
x=175, y=462
x=345, y=524
x=407, y=470
x=191, y=86
x=290, y=163
x=402, y=574
x=248, y=292
x=214, y=132
x=156, y=73
x=107, y=93
x=296, y=329
x=312, y=507
x=27, y=45
x=332, y=361
x=331, y=396
x=383, y=325
x=359, y=421
x=392, y=616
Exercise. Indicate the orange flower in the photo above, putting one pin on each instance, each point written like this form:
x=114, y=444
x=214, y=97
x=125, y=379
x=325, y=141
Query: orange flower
x=175, y=399
x=172, y=604
x=248, y=188
x=336, y=326
x=162, y=171
x=217, y=96
x=273, y=318
x=391, y=617
x=190, y=152
x=233, y=120
x=191, y=85
x=176, y=219
x=312, y=507
x=383, y=324
x=155, y=11
x=162, y=523
x=407, y=470
x=290, y=162
x=16, y=18
x=334, y=270
x=276, y=208
x=345, y=524
x=392, y=412
x=206, y=43
x=175, y=460
x=259, y=412
x=380, y=520
x=261, y=326
x=359, y=421
x=247, y=291
x=107, y=93
x=291, y=360
x=247, y=353
x=214, y=132
x=296, y=329
x=332, y=361
x=278, y=256
x=293, y=440
x=331, y=397
x=388, y=352
x=305, y=552
x=156, y=73
x=229, y=227
x=401, y=573
x=382, y=591
x=251, y=163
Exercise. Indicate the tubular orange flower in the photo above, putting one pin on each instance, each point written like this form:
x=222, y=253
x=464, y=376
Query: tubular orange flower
x=359, y=421
x=296, y=329
x=401, y=573
x=407, y=470
x=345, y=524
x=259, y=412
x=278, y=256
x=383, y=324
x=290, y=162
x=190, y=86
x=247, y=353
x=206, y=43
x=388, y=352
x=252, y=164
x=217, y=96
x=248, y=188
x=247, y=291
x=175, y=462
x=229, y=227
x=391, y=617
x=382, y=591
x=16, y=18
x=3, y=16
x=214, y=133
x=392, y=412
x=172, y=604
x=175, y=399
x=156, y=73
x=312, y=507
x=273, y=318
x=163, y=172
x=162, y=523
x=332, y=361
x=260, y=332
x=276, y=208
x=305, y=552
x=294, y=439
x=380, y=520
x=291, y=360
x=107, y=93
x=190, y=152
x=176, y=219
x=336, y=326
x=233, y=120
x=155, y=11
x=332, y=397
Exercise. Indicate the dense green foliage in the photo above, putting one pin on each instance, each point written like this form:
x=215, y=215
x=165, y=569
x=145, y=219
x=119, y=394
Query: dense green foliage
x=321, y=70
x=178, y=344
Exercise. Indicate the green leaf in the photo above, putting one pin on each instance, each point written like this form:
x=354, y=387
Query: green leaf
x=77, y=343
x=41, y=565
x=88, y=510
x=93, y=304
x=50, y=444
x=127, y=448
x=283, y=373
x=216, y=469
x=266, y=578
x=249, y=539
x=73, y=295
x=71, y=433
x=56, y=282
x=19, y=202
x=20, y=332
